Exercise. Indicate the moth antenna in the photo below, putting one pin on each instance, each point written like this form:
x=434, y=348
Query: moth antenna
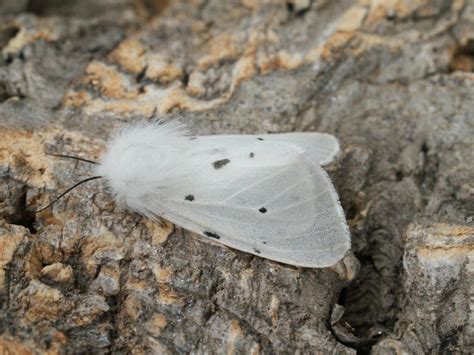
x=68, y=190
x=72, y=157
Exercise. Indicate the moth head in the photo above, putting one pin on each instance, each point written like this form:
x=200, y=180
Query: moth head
x=124, y=165
x=119, y=167
x=136, y=161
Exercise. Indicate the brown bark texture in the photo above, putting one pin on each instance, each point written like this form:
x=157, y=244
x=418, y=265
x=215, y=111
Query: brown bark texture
x=393, y=80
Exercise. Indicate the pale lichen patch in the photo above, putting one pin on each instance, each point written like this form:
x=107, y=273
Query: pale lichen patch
x=156, y=324
x=58, y=272
x=10, y=239
x=162, y=274
x=159, y=233
x=129, y=54
x=234, y=335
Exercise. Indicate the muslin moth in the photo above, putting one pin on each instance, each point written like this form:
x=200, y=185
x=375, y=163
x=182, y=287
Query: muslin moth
x=263, y=194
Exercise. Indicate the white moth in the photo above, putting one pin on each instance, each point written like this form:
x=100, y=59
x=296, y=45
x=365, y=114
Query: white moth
x=262, y=194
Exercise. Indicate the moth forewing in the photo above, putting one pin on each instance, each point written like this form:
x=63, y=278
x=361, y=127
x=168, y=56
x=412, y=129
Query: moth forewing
x=262, y=194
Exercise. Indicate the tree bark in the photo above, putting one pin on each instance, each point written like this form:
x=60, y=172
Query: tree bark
x=393, y=80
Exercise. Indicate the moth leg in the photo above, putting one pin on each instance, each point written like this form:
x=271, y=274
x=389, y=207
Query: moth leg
x=161, y=222
x=158, y=219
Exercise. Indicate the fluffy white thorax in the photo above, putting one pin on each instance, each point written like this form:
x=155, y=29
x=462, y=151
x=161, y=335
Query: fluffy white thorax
x=143, y=160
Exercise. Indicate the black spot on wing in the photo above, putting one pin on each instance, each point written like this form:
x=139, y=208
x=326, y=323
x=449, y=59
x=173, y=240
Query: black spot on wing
x=256, y=251
x=189, y=198
x=220, y=163
x=251, y=155
x=262, y=210
x=260, y=139
x=212, y=235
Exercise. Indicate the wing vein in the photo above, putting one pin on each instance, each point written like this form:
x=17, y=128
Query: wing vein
x=302, y=235
x=287, y=207
x=245, y=209
x=283, y=192
x=256, y=184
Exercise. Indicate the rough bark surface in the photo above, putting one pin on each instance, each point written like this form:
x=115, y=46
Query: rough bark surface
x=393, y=80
